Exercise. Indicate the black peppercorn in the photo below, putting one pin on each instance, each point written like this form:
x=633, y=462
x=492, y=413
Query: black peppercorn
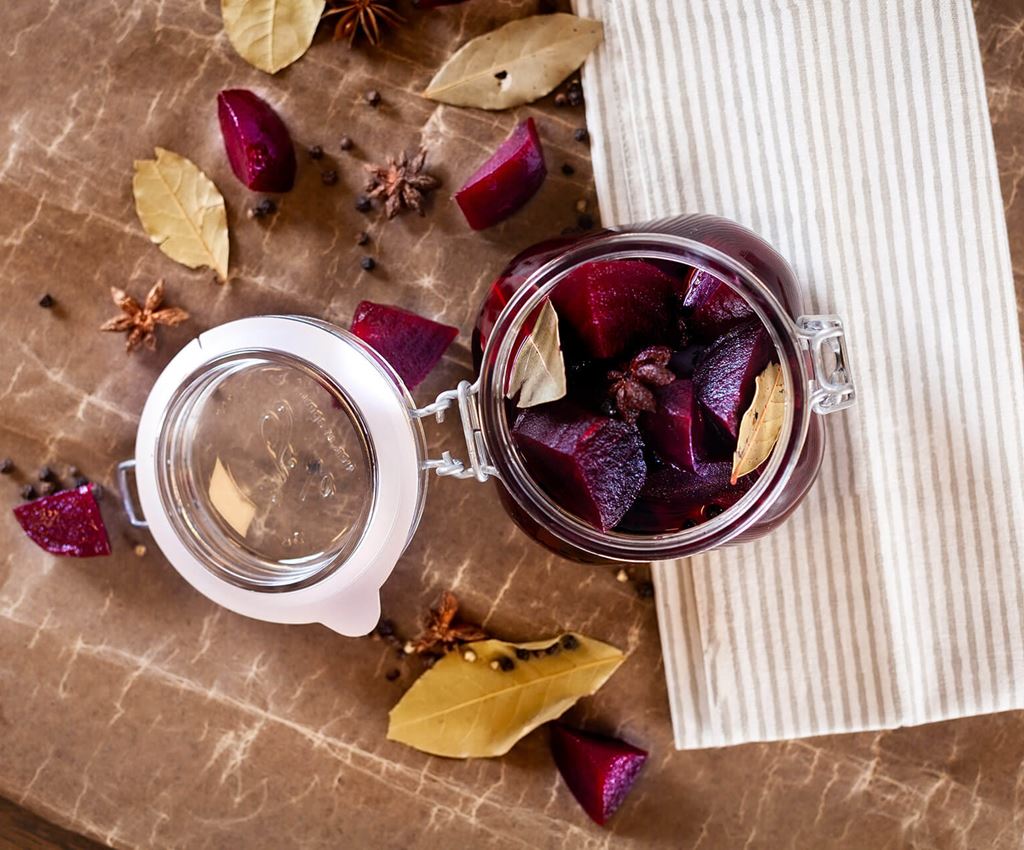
x=6, y=466
x=329, y=177
x=80, y=481
x=644, y=589
x=569, y=642
x=362, y=237
x=568, y=170
x=574, y=94
x=46, y=474
x=501, y=75
x=585, y=222
x=522, y=654
x=47, y=301
x=554, y=649
x=505, y=663
x=363, y=204
x=316, y=152
x=373, y=98
x=711, y=511
x=368, y=264
x=385, y=628
x=392, y=674
x=582, y=135
x=28, y=492
x=266, y=206
x=345, y=143
x=312, y=466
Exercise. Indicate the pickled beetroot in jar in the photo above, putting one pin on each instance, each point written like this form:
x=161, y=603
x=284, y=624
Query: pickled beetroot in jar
x=664, y=331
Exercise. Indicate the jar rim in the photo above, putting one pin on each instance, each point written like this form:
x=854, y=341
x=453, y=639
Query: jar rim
x=496, y=361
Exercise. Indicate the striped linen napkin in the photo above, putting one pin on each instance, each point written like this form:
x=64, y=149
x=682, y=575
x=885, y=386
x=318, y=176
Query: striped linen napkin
x=854, y=135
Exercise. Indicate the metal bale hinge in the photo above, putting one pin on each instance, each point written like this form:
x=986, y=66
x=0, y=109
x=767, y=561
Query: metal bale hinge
x=478, y=466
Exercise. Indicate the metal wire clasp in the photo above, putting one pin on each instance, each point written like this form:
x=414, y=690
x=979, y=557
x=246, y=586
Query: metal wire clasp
x=469, y=414
x=826, y=341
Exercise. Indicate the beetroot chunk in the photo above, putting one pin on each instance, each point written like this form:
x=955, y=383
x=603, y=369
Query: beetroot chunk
x=66, y=523
x=599, y=771
x=593, y=466
x=675, y=430
x=412, y=344
x=673, y=499
x=713, y=307
x=506, y=181
x=725, y=377
x=616, y=305
x=257, y=142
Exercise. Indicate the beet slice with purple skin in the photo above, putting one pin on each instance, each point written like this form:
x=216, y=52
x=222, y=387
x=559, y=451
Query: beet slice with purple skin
x=599, y=771
x=676, y=429
x=66, y=523
x=506, y=181
x=616, y=305
x=725, y=376
x=412, y=344
x=712, y=307
x=673, y=499
x=593, y=466
x=257, y=142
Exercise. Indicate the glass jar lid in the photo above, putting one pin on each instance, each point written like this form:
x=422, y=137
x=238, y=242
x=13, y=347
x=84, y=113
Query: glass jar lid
x=275, y=465
x=280, y=468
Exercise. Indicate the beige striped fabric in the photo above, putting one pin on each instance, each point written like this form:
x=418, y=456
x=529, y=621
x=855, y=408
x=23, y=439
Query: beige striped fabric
x=854, y=135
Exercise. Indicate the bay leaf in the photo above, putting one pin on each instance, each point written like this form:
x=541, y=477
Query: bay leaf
x=761, y=424
x=517, y=63
x=467, y=709
x=538, y=374
x=182, y=211
x=271, y=34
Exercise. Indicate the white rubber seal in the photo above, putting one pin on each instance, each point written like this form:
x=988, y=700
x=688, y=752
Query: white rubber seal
x=348, y=600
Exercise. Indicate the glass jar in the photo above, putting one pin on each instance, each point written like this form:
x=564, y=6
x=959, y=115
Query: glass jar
x=811, y=351
x=281, y=464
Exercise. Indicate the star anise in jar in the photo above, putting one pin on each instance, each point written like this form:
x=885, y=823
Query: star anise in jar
x=444, y=631
x=140, y=321
x=362, y=16
x=630, y=389
x=402, y=183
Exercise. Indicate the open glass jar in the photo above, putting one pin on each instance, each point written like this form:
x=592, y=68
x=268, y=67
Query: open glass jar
x=281, y=466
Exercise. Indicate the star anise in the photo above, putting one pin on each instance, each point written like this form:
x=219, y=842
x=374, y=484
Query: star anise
x=630, y=388
x=362, y=16
x=140, y=322
x=402, y=183
x=443, y=631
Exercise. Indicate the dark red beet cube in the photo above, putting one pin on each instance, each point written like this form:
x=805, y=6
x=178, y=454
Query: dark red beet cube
x=725, y=377
x=675, y=430
x=412, y=344
x=593, y=466
x=257, y=142
x=673, y=499
x=66, y=523
x=713, y=307
x=615, y=305
x=506, y=181
x=599, y=771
